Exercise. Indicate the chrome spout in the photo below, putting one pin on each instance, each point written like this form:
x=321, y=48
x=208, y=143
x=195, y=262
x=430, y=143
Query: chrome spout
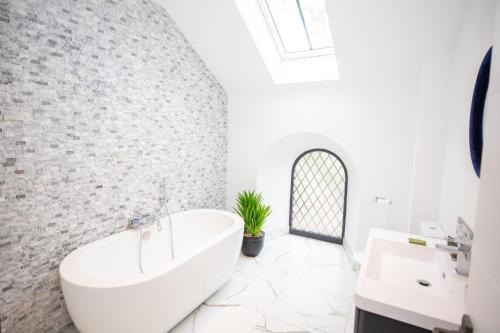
x=463, y=249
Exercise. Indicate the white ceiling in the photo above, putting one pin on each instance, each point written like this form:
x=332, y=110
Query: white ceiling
x=375, y=41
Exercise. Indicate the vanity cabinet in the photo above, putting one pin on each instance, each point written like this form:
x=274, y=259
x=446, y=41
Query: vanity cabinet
x=368, y=322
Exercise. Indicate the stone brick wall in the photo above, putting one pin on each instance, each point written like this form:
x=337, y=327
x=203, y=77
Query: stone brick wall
x=99, y=99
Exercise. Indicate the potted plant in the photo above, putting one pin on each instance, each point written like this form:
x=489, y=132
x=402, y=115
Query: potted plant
x=250, y=207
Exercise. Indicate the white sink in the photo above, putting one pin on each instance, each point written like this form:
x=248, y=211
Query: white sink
x=410, y=283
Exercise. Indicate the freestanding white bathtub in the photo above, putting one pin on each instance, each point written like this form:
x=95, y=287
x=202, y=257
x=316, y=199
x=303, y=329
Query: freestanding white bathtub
x=106, y=293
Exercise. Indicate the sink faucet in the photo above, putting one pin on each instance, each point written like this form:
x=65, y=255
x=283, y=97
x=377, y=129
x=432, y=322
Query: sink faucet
x=463, y=248
x=463, y=253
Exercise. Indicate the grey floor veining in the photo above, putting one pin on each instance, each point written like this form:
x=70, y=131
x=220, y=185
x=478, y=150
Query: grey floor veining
x=295, y=285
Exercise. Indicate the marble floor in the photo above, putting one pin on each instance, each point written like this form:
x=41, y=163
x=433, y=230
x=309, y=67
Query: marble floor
x=295, y=285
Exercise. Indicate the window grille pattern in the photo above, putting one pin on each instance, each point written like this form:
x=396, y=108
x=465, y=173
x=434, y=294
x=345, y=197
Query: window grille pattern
x=318, y=196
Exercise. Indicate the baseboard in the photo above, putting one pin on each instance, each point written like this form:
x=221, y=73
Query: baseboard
x=274, y=232
x=349, y=254
x=277, y=231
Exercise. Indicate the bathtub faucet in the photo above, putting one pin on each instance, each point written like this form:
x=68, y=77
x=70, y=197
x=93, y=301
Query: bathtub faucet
x=143, y=220
x=139, y=222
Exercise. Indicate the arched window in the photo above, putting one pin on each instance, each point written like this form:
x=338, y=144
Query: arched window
x=318, y=196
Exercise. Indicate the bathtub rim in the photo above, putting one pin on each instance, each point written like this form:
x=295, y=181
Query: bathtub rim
x=236, y=227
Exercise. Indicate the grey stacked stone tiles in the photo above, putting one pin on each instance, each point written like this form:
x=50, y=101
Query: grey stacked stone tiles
x=99, y=100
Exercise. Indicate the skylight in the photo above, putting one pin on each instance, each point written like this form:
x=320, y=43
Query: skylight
x=300, y=28
x=293, y=38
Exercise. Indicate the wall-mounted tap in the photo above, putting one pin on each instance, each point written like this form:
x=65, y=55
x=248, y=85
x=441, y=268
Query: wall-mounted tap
x=463, y=253
x=463, y=248
x=142, y=220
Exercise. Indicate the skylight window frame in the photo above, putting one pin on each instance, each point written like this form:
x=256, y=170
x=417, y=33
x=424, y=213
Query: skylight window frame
x=273, y=29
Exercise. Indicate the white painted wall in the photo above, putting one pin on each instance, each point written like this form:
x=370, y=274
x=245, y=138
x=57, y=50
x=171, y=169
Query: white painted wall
x=391, y=56
x=460, y=184
x=430, y=139
x=373, y=129
x=371, y=113
x=483, y=298
x=274, y=178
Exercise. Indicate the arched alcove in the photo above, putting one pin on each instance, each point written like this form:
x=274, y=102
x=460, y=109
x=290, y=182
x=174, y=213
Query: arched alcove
x=275, y=171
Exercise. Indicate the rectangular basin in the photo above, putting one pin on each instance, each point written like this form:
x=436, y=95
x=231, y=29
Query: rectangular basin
x=410, y=283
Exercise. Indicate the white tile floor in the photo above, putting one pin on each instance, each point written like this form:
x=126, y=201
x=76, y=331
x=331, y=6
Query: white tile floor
x=295, y=285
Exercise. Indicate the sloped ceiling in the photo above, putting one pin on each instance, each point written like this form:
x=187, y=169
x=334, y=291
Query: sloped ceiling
x=374, y=40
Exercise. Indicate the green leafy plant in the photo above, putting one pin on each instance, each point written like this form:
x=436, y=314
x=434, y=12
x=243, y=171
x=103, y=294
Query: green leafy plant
x=250, y=207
